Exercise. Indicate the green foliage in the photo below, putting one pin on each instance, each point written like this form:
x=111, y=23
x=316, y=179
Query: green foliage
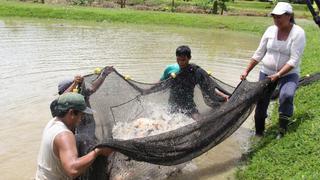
x=204, y=4
x=251, y=24
x=218, y=5
x=80, y=2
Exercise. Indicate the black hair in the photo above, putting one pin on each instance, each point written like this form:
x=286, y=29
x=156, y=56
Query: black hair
x=62, y=113
x=291, y=18
x=183, y=51
x=76, y=112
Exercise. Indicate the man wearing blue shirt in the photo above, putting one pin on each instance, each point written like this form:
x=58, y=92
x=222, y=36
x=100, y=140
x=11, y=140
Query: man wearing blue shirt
x=188, y=76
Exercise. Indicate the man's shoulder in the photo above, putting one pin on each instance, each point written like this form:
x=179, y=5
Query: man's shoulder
x=196, y=67
x=64, y=140
x=271, y=30
x=297, y=30
x=199, y=71
x=172, y=67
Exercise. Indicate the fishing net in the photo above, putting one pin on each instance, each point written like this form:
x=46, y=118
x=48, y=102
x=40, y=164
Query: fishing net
x=136, y=119
x=133, y=118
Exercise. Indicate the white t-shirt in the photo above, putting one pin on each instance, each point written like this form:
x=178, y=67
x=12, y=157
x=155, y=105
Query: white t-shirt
x=49, y=165
x=274, y=54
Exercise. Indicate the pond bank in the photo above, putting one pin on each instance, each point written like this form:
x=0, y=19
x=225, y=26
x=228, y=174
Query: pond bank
x=43, y=11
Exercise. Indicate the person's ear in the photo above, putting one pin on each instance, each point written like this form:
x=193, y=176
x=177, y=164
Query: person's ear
x=73, y=112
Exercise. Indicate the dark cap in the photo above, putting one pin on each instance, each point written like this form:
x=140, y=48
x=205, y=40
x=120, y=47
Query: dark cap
x=73, y=101
x=63, y=85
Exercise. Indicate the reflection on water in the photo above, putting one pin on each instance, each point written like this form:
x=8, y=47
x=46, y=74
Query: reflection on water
x=36, y=55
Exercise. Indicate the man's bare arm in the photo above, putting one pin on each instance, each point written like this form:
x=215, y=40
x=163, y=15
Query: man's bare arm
x=65, y=149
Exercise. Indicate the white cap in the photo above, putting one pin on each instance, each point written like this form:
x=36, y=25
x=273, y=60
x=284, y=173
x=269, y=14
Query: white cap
x=281, y=8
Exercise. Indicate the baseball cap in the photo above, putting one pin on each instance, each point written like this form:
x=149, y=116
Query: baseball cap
x=281, y=8
x=74, y=101
x=63, y=85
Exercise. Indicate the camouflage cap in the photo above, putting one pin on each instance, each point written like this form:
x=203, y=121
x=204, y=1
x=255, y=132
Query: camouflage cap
x=73, y=101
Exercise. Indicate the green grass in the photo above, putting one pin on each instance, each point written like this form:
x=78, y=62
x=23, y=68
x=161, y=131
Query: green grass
x=296, y=156
x=264, y=8
x=236, y=7
x=10, y=9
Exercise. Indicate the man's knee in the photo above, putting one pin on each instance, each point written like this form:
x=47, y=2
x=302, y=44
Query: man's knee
x=286, y=97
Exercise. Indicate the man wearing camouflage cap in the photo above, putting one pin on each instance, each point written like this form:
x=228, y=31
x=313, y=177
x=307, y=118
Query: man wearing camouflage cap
x=58, y=155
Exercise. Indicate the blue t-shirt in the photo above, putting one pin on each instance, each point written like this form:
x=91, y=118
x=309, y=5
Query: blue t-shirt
x=173, y=68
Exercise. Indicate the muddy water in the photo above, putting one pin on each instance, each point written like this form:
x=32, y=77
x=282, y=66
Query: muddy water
x=35, y=55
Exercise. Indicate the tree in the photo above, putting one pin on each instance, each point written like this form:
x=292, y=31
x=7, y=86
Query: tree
x=172, y=6
x=215, y=7
x=218, y=4
x=122, y=3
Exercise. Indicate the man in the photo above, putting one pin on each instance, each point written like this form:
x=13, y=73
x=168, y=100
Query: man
x=58, y=155
x=68, y=85
x=188, y=76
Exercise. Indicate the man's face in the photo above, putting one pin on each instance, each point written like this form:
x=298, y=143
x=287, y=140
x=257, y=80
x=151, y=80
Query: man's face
x=76, y=118
x=79, y=117
x=183, y=61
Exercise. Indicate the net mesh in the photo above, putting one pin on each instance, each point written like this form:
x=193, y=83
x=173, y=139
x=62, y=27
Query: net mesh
x=121, y=100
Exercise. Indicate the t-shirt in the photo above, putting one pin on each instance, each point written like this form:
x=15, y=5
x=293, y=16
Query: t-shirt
x=173, y=68
x=274, y=54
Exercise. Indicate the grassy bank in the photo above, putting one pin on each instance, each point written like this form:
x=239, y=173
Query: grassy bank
x=296, y=155
x=257, y=24
x=237, y=7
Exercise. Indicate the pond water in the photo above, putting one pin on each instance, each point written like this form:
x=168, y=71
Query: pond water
x=36, y=54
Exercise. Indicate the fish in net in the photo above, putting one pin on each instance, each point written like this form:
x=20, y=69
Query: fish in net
x=122, y=102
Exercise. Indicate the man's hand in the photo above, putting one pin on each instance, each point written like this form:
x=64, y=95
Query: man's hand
x=103, y=151
x=226, y=98
x=244, y=75
x=274, y=77
x=78, y=79
x=107, y=70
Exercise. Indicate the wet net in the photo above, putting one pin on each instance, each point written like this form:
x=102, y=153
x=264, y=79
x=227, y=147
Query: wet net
x=120, y=100
x=136, y=119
